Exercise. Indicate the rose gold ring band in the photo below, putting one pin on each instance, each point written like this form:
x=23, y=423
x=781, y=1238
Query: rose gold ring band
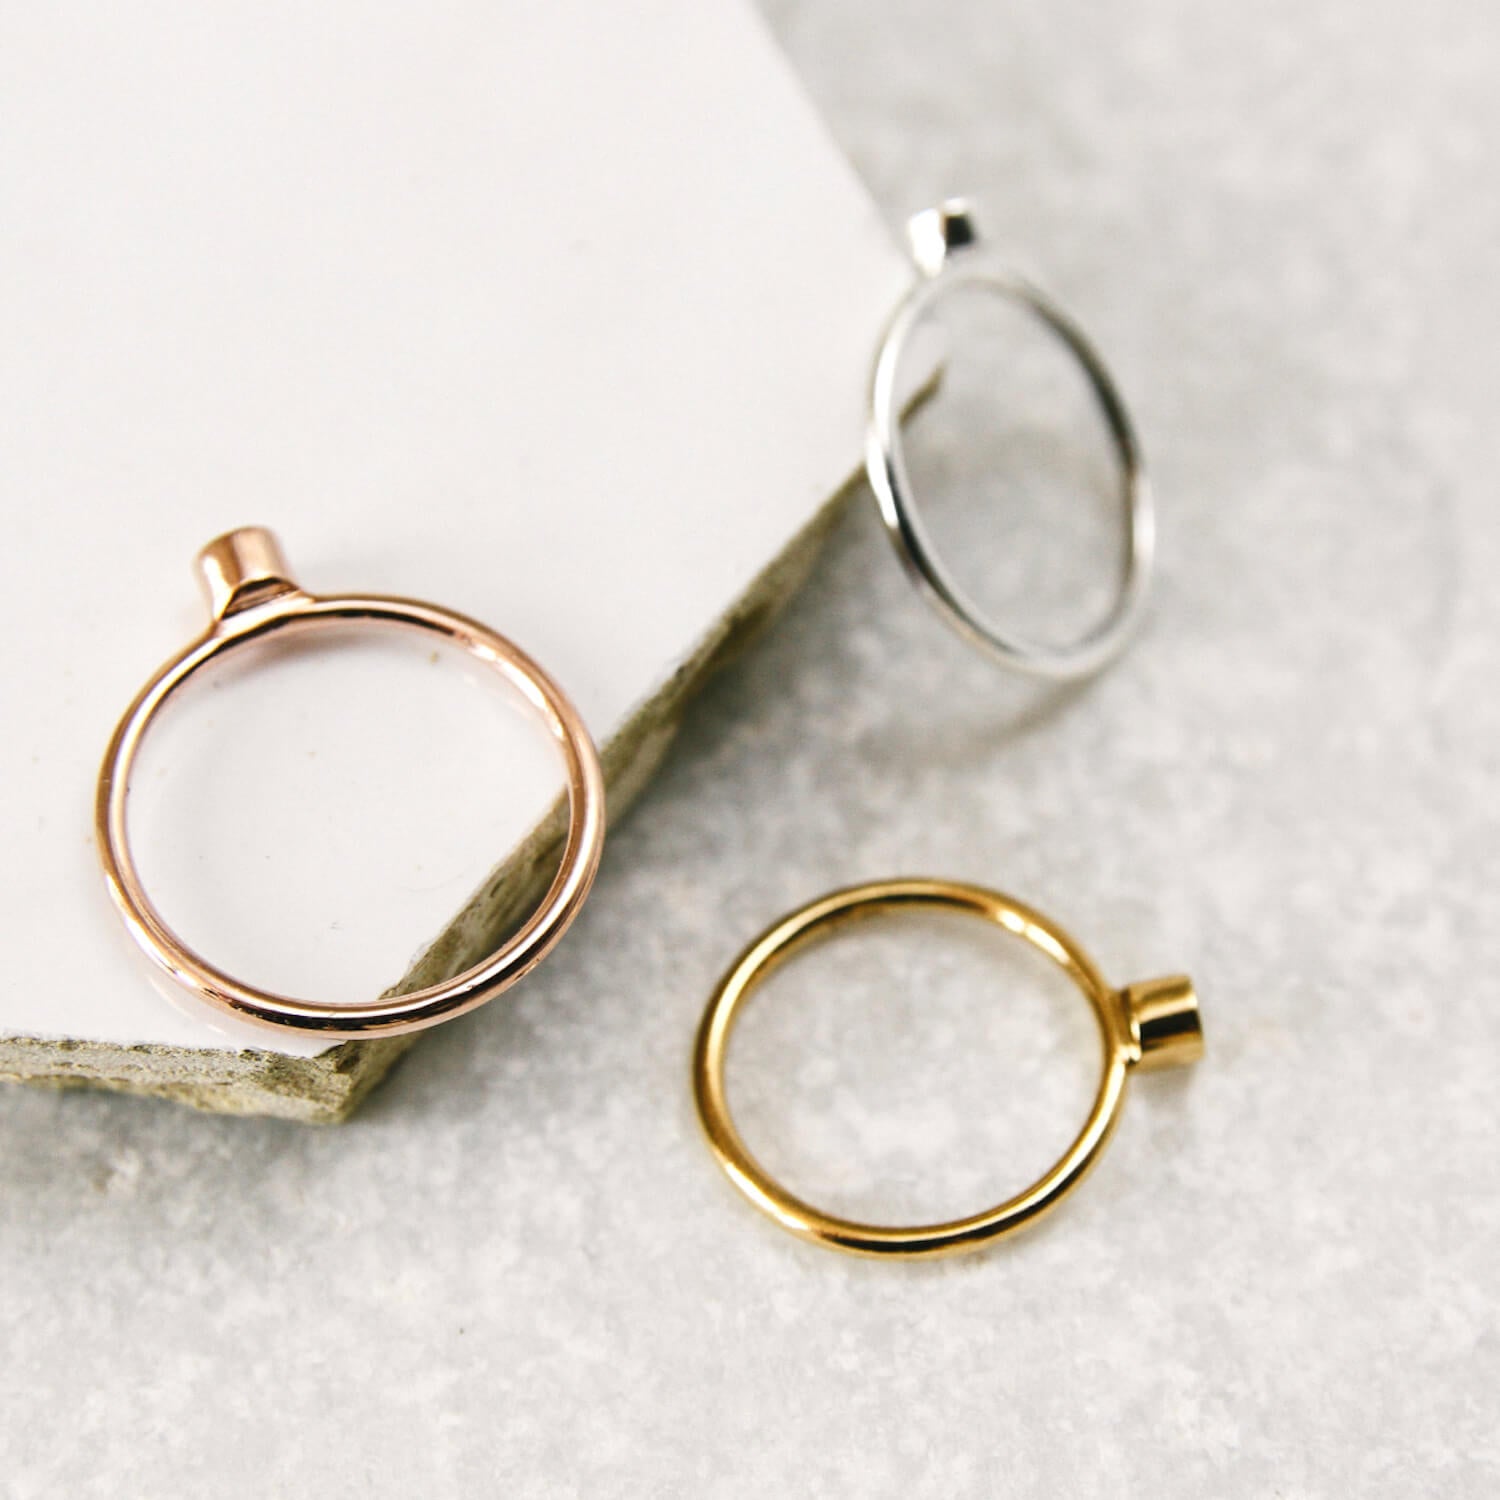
x=252, y=597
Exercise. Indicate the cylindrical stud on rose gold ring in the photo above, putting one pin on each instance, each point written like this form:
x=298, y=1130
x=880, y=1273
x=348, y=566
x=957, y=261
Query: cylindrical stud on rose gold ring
x=1150, y=1025
x=252, y=596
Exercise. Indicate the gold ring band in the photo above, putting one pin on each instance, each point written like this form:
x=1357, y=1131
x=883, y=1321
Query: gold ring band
x=1150, y=1025
x=251, y=596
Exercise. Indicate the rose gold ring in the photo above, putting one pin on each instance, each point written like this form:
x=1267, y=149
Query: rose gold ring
x=252, y=596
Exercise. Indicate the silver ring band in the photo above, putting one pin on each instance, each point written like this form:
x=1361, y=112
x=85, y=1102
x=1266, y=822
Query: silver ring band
x=949, y=254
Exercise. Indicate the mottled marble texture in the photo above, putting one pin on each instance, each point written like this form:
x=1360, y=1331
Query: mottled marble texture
x=517, y=1271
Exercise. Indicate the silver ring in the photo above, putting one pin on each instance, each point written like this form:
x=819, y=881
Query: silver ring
x=947, y=250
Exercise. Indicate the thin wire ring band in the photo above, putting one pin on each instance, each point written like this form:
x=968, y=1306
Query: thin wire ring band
x=1153, y=1024
x=948, y=252
x=252, y=598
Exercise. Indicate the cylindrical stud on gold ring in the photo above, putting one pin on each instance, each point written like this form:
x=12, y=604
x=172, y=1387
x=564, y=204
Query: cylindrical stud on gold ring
x=251, y=597
x=1150, y=1025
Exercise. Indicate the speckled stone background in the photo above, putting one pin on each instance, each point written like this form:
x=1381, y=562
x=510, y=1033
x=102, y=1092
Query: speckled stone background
x=517, y=1272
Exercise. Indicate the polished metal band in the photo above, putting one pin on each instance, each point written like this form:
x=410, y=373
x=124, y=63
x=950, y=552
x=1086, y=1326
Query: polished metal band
x=1149, y=1025
x=949, y=255
x=252, y=597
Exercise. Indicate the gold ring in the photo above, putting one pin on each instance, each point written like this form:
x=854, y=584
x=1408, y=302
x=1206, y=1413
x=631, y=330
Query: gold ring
x=251, y=596
x=1148, y=1025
